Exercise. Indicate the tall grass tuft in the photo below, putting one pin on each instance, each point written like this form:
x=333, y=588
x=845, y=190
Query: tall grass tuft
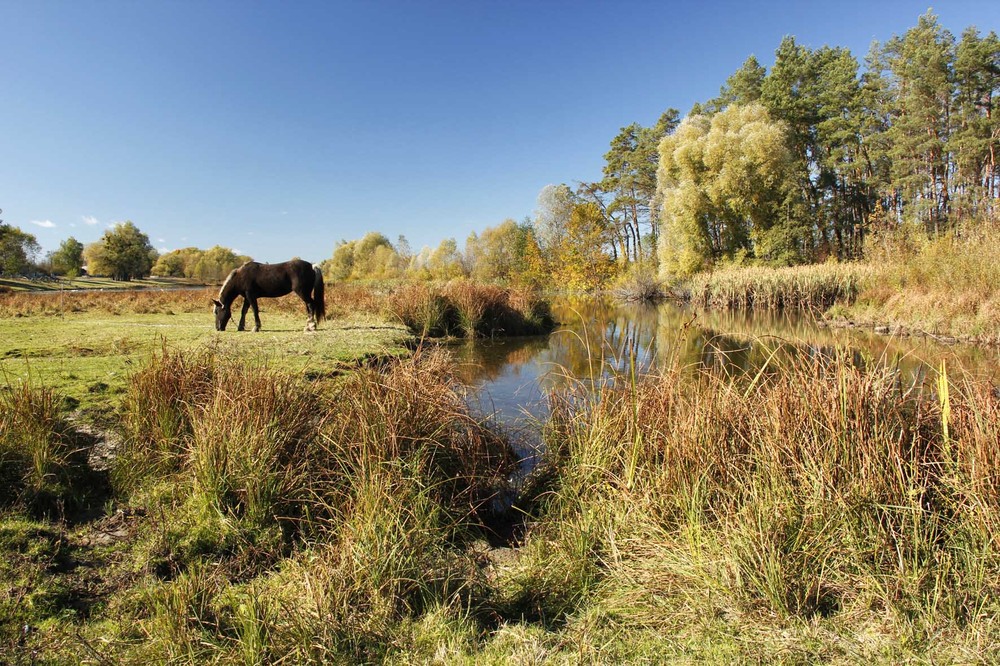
x=43, y=465
x=817, y=287
x=248, y=449
x=422, y=309
x=157, y=416
x=816, y=490
x=469, y=309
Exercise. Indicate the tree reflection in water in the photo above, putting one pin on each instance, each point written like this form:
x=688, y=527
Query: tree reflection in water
x=599, y=340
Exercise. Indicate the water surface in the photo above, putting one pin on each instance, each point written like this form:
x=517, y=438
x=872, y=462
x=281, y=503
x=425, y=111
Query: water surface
x=598, y=339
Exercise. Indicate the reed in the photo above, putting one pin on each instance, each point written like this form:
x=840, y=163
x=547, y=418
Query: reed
x=816, y=287
x=944, y=286
x=816, y=492
x=469, y=309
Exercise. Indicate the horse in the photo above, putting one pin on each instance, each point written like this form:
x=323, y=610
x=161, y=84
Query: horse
x=254, y=280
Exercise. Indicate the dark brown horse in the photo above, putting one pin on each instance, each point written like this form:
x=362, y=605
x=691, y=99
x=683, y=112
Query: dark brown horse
x=253, y=280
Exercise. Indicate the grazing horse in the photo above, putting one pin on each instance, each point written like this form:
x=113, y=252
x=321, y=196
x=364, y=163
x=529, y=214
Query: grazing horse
x=253, y=280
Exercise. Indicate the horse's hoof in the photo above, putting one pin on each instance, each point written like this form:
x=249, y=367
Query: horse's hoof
x=256, y=329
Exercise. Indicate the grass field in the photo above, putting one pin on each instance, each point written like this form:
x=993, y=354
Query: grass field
x=84, y=345
x=264, y=507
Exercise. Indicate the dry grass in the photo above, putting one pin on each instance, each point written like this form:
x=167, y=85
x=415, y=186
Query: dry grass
x=817, y=287
x=468, y=309
x=946, y=286
x=822, y=495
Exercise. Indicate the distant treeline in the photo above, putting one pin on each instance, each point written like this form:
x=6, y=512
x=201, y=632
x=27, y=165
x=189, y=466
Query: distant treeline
x=795, y=165
x=800, y=164
x=211, y=265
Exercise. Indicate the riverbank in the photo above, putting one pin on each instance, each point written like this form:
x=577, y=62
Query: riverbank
x=947, y=288
x=820, y=511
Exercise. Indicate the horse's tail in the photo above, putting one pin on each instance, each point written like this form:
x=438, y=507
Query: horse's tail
x=319, y=303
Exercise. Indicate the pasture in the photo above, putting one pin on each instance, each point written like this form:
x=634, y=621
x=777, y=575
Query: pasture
x=83, y=345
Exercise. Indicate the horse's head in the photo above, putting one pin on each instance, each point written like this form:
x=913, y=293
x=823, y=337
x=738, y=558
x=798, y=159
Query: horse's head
x=222, y=315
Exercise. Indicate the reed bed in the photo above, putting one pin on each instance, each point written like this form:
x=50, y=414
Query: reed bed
x=820, y=494
x=466, y=309
x=945, y=286
x=817, y=287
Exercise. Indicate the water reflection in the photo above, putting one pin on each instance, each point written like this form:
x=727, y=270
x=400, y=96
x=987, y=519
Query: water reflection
x=599, y=339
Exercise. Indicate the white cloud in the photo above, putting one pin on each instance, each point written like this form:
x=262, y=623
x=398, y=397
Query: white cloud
x=237, y=251
x=160, y=240
x=47, y=224
x=90, y=220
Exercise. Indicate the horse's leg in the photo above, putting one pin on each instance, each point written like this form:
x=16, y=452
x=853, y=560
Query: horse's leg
x=256, y=314
x=311, y=322
x=243, y=314
x=310, y=311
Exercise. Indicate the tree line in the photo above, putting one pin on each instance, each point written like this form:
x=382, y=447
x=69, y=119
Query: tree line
x=796, y=164
x=122, y=253
x=802, y=162
x=792, y=165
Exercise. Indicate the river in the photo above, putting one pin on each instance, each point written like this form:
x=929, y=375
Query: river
x=598, y=339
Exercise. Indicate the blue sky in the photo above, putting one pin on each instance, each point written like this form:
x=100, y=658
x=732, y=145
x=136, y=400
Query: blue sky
x=279, y=129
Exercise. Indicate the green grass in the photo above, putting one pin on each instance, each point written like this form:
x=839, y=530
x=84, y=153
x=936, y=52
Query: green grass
x=87, y=356
x=820, y=510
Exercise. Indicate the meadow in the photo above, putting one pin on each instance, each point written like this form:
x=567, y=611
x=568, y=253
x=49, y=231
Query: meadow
x=238, y=501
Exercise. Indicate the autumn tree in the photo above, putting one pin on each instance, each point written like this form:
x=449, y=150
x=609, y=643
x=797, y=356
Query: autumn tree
x=68, y=259
x=555, y=205
x=725, y=184
x=17, y=249
x=372, y=257
x=177, y=263
x=445, y=262
x=123, y=253
x=214, y=264
x=584, y=262
x=508, y=253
